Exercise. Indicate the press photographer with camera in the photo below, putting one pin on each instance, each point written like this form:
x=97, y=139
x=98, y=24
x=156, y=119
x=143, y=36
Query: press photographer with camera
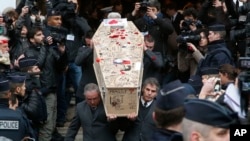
x=189, y=34
x=190, y=23
x=47, y=46
x=153, y=23
x=190, y=54
x=77, y=28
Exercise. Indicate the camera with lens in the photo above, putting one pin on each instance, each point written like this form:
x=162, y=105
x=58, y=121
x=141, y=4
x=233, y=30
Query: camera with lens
x=58, y=35
x=32, y=5
x=244, y=76
x=57, y=39
x=242, y=31
x=183, y=39
x=186, y=23
x=8, y=20
x=144, y=4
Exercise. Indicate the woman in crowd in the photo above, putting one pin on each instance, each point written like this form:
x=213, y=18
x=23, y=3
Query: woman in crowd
x=193, y=54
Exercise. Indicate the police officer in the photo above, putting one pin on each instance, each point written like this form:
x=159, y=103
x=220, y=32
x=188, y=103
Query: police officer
x=206, y=120
x=217, y=51
x=12, y=124
x=169, y=111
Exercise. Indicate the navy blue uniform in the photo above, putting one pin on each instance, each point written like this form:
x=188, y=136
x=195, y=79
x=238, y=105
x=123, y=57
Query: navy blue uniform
x=216, y=55
x=12, y=123
x=166, y=135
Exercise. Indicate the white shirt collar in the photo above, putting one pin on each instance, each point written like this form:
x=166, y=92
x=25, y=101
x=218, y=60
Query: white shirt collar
x=148, y=103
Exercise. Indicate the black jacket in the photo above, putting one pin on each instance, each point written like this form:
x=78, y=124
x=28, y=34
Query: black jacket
x=216, y=55
x=77, y=29
x=160, y=29
x=95, y=126
x=166, y=135
x=153, y=64
x=85, y=59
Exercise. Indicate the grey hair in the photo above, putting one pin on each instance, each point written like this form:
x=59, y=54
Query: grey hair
x=114, y=15
x=151, y=81
x=91, y=87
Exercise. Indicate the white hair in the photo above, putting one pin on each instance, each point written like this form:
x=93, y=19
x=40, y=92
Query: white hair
x=3, y=38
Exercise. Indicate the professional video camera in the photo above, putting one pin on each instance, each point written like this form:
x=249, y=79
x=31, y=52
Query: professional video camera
x=244, y=76
x=183, y=39
x=244, y=32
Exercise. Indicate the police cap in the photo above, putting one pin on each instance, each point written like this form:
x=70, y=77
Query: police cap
x=171, y=96
x=4, y=84
x=27, y=62
x=217, y=27
x=209, y=113
x=16, y=78
x=209, y=71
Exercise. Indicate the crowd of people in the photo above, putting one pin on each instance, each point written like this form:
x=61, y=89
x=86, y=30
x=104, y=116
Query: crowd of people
x=192, y=82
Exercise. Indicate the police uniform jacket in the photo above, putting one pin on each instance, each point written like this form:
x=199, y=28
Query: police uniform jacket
x=217, y=54
x=143, y=127
x=12, y=123
x=94, y=124
x=166, y=135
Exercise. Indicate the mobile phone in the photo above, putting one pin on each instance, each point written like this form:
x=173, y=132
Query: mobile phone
x=217, y=86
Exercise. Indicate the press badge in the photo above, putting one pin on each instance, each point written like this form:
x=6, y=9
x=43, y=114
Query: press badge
x=9, y=125
x=70, y=37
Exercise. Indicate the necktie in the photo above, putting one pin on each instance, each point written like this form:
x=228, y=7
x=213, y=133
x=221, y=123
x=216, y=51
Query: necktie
x=145, y=104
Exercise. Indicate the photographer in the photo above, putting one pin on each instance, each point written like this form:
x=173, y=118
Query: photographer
x=149, y=20
x=77, y=28
x=190, y=23
x=190, y=55
x=153, y=23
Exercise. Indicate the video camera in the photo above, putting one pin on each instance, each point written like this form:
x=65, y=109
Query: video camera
x=244, y=76
x=183, y=39
x=244, y=31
